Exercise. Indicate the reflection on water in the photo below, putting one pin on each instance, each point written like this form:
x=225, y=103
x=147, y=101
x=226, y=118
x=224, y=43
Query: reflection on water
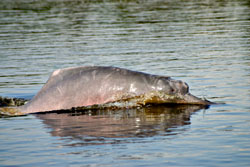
x=97, y=127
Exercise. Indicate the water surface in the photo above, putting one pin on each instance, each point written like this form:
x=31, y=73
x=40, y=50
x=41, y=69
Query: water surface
x=205, y=44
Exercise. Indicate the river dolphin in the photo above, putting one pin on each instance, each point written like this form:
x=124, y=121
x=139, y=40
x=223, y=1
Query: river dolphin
x=95, y=85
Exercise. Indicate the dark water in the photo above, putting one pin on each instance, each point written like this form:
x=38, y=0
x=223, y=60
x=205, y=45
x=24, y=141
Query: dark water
x=205, y=43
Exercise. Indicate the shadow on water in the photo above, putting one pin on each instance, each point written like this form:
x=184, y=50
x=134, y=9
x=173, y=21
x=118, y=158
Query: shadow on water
x=118, y=126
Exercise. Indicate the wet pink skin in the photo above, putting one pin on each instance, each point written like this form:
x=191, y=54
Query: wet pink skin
x=89, y=85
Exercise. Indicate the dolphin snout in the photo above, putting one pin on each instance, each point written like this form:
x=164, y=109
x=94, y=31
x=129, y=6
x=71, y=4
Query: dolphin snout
x=191, y=99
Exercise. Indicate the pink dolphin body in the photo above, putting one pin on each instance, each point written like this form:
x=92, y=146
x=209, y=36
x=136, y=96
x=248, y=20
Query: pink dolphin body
x=90, y=85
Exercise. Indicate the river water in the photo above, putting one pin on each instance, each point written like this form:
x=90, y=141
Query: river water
x=204, y=43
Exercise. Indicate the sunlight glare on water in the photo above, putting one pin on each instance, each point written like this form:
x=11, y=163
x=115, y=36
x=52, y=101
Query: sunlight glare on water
x=205, y=44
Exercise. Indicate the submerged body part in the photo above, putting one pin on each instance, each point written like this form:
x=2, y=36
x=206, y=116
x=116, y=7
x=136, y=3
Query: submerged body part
x=97, y=85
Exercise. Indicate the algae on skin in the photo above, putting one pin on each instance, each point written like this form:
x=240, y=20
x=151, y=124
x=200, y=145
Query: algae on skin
x=10, y=111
